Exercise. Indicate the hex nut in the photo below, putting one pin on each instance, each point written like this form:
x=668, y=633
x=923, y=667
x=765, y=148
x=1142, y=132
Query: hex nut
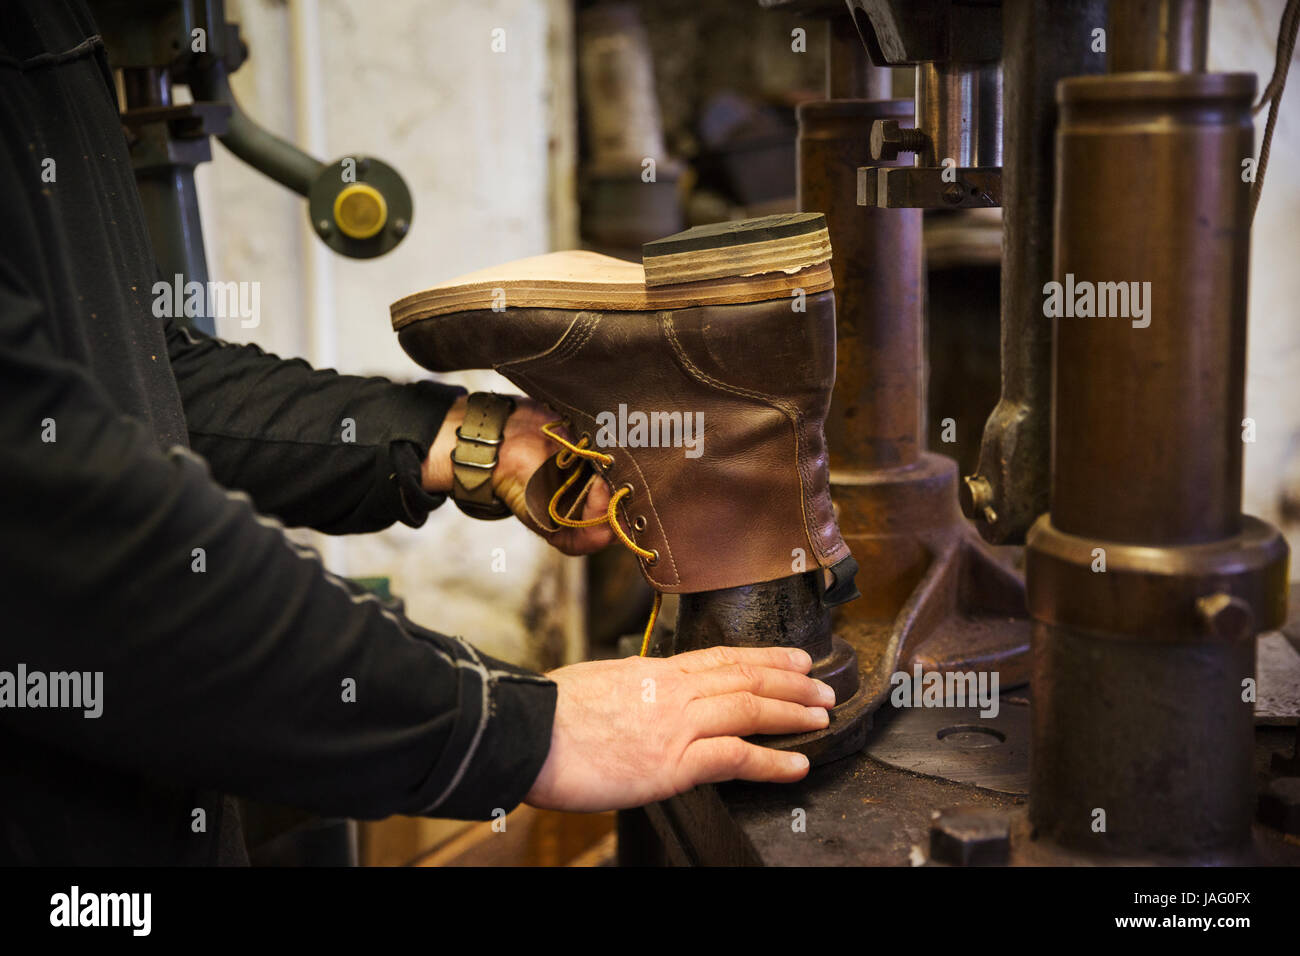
x=970, y=837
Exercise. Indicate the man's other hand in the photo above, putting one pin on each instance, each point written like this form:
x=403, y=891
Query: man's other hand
x=633, y=731
x=524, y=449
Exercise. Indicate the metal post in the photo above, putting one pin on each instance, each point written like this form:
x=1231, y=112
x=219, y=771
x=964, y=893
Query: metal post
x=1146, y=582
x=1043, y=41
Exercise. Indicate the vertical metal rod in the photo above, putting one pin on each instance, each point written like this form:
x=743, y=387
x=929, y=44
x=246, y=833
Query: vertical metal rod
x=170, y=198
x=1042, y=41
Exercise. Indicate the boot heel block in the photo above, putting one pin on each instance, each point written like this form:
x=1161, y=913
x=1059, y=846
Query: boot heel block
x=783, y=243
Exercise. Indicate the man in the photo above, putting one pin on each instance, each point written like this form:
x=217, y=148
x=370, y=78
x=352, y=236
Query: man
x=163, y=644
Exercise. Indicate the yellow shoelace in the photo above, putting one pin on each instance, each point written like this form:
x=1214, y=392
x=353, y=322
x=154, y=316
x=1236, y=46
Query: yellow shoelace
x=564, y=460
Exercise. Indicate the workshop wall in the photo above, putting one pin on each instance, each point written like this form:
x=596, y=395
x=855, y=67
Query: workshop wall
x=1241, y=40
x=485, y=142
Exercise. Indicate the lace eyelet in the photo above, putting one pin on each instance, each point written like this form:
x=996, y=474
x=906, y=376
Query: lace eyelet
x=653, y=559
x=639, y=523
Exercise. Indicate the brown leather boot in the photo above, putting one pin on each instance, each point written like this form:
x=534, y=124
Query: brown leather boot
x=699, y=396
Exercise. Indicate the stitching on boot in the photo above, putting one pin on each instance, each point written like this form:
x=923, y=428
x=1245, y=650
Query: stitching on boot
x=791, y=412
x=559, y=347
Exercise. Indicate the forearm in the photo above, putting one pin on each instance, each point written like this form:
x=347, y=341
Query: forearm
x=338, y=453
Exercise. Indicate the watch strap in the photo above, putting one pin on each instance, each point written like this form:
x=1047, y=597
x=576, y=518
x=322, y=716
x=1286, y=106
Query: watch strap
x=474, y=459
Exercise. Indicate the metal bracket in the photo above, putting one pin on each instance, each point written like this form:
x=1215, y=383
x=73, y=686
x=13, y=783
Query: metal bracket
x=930, y=187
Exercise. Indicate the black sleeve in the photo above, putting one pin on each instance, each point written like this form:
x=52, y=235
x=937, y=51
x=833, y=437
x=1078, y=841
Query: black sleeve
x=338, y=453
x=230, y=659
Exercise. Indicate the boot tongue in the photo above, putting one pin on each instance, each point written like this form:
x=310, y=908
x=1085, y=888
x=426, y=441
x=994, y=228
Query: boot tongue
x=546, y=481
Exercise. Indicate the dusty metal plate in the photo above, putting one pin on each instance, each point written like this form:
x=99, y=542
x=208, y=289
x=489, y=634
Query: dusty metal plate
x=1277, y=666
x=956, y=743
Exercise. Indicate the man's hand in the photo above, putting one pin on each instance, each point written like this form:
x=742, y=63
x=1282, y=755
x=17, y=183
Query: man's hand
x=524, y=449
x=633, y=731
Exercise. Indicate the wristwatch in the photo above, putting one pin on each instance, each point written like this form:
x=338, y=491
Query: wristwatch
x=474, y=458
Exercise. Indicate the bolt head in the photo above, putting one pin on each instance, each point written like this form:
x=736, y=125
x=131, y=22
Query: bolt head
x=970, y=837
x=886, y=140
x=1279, y=805
x=1226, y=617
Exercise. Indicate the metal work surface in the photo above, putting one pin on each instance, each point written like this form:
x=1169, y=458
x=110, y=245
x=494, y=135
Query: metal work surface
x=957, y=744
x=861, y=812
x=1278, y=663
x=876, y=807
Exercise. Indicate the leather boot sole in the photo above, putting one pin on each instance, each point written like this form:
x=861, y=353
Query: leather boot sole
x=723, y=264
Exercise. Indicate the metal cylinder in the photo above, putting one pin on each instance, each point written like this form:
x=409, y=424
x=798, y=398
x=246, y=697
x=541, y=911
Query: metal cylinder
x=1146, y=583
x=959, y=107
x=1153, y=223
x=1138, y=749
x=147, y=86
x=988, y=131
x=1158, y=35
x=947, y=98
x=876, y=409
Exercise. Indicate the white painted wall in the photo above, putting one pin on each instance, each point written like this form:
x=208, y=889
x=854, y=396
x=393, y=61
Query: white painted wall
x=1243, y=37
x=416, y=84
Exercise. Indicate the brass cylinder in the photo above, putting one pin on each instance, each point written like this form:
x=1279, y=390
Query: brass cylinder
x=1153, y=221
x=1158, y=35
x=1146, y=584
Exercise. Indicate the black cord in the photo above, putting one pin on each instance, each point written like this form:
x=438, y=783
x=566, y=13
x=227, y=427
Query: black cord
x=1273, y=92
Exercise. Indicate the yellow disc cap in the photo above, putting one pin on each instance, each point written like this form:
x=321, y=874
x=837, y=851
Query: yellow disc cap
x=360, y=210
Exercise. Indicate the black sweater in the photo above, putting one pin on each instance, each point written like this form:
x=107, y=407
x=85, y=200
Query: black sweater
x=128, y=444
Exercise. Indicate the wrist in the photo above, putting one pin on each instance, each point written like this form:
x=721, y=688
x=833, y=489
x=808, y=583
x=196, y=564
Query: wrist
x=435, y=474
